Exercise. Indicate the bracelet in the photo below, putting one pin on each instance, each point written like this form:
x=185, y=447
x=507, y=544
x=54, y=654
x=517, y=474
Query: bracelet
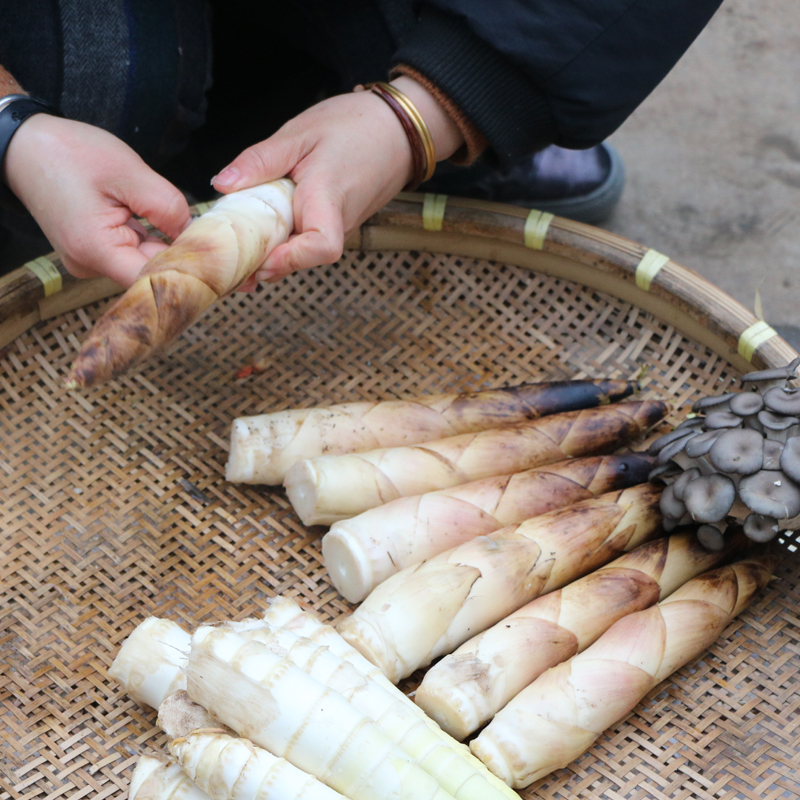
x=423, y=154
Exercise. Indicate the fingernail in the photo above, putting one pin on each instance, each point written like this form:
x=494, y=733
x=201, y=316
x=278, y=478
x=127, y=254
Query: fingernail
x=228, y=176
x=187, y=224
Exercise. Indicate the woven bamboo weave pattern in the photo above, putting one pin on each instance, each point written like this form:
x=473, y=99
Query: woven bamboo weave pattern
x=113, y=507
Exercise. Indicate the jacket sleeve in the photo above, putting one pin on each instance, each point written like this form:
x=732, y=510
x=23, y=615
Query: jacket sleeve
x=530, y=73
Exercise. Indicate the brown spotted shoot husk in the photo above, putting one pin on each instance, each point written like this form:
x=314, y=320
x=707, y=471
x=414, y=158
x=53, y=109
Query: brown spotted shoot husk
x=113, y=504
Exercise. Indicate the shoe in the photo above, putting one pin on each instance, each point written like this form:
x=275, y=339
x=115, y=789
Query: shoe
x=584, y=185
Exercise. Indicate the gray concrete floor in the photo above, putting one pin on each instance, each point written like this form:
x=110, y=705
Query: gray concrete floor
x=713, y=159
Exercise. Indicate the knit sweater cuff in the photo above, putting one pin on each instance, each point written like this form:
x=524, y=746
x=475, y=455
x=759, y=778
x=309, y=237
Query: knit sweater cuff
x=488, y=89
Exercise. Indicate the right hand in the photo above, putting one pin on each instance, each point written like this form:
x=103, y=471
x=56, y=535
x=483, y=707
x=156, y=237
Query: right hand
x=84, y=186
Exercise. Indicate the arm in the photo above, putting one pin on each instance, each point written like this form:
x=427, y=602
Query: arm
x=528, y=75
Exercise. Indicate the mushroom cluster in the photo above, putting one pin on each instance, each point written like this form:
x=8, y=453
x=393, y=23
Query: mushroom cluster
x=736, y=458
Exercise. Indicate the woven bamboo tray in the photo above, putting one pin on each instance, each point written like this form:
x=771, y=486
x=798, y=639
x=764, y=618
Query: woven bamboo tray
x=113, y=504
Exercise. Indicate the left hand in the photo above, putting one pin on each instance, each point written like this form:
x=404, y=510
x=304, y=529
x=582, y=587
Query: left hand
x=348, y=156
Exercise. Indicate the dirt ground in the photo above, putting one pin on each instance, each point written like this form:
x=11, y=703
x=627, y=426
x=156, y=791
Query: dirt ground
x=713, y=160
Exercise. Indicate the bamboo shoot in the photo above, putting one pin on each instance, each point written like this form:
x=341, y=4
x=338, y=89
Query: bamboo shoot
x=361, y=552
x=279, y=707
x=330, y=488
x=216, y=253
x=428, y=610
x=228, y=768
x=264, y=447
x=467, y=688
x=450, y=763
x=560, y=715
x=160, y=778
x=150, y=663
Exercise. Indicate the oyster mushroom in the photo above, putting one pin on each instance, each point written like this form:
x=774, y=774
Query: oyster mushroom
x=790, y=458
x=767, y=378
x=709, y=498
x=701, y=444
x=746, y=404
x=670, y=525
x=738, y=451
x=666, y=473
x=760, y=528
x=770, y=493
x=675, y=447
x=772, y=456
x=784, y=401
x=778, y=427
x=668, y=438
x=671, y=507
x=722, y=419
x=686, y=477
x=714, y=402
x=711, y=536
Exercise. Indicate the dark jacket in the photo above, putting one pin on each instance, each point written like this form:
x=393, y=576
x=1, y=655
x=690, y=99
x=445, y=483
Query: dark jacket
x=526, y=73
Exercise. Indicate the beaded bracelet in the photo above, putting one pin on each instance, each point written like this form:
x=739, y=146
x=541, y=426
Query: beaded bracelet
x=423, y=154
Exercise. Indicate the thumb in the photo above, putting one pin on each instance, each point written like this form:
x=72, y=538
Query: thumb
x=320, y=239
x=154, y=197
x=266, y=161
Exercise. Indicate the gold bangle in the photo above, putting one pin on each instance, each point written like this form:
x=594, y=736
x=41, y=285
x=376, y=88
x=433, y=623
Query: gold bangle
x=424, y=140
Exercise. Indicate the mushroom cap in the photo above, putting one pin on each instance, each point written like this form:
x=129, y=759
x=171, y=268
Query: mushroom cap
x=686, y=477
x=669, y=525
x=711, y=537
x=702, y=443
x=674, y=447
x=772, y=455
x=770, y=492
x=722, y=419
x=783, y=401
x=691, y=424
x=671, y=507
x=709, y=403
x=665, y=473
x=668, y=438
x=745, y=404
x=709, y=499
x=738, y=451
x=790, y=458
x=775, y=374
x=776, y=422
x=760, y=528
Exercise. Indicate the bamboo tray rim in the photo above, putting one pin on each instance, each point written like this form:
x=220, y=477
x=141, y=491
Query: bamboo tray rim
x=564, y=248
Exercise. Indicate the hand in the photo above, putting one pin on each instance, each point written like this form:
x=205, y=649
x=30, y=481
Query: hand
x=84, y=186
x=348, y=156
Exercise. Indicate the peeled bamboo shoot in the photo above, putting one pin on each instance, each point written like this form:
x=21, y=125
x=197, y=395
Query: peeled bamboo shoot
x=361, y=552
x=216, y=253
x=560, y=715
x=150, y=662
x=326, y=489
x=279, y=707
x=162, y=779
x=449, y=762
x=264, y=447
x=468, y=687
x=228, y=768
x=286, y=613
x=428, y=610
